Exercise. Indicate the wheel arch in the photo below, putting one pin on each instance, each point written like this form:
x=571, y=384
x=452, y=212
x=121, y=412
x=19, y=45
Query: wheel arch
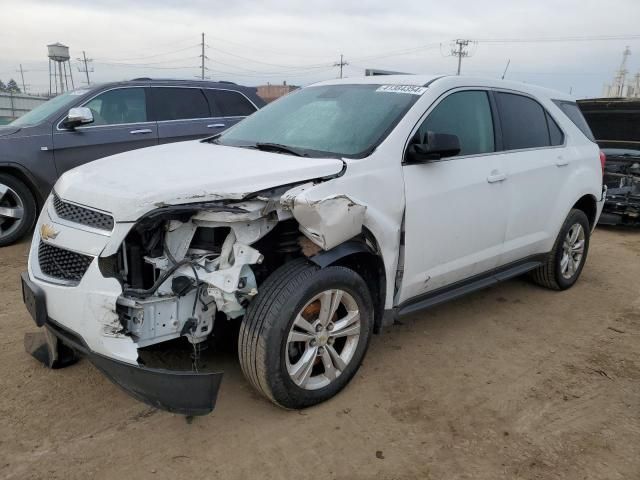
x=24, y=176
x=588, y=204
x=362, y=256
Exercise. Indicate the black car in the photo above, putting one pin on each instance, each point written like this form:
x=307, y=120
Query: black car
x=86, y=124
x=615, y=123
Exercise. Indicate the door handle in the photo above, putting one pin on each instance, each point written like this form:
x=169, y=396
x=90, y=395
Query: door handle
x=141, y=131
x=216, y=125
x=496, y=177
x=562, y=162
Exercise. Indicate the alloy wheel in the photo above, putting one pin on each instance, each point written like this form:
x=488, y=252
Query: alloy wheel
x=572, y=251
x=11, y=211
x=323, y=339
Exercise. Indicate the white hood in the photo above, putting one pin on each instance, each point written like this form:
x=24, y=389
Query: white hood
x=128, y=185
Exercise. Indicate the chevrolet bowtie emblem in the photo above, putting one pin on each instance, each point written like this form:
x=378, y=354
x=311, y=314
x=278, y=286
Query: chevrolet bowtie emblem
x=47, y=232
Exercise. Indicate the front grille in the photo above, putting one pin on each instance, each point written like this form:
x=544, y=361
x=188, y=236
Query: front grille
x=63, y=264
x=82, y=215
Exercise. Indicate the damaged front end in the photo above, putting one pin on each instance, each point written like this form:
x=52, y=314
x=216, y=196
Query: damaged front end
x=179, y=271
x=622, y=178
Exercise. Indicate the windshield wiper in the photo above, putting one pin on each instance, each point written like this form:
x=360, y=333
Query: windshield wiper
x=277, y=147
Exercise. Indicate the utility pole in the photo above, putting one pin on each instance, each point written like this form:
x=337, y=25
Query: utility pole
x=24, y=87
x=202, y=57
x=460, y=51
x=341, y=64
x=85, y=61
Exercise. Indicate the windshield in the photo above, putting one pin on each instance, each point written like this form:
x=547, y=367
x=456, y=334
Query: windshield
x=334, y=120
x=41, y=112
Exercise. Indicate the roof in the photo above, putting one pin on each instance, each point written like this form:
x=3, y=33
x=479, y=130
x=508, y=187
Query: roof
x=451, y=81
x=169, y=81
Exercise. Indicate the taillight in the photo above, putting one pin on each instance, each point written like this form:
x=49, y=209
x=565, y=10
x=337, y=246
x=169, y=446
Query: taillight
x=603, y=160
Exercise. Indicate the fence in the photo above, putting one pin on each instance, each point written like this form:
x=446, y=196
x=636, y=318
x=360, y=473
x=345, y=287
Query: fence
x=13, y=106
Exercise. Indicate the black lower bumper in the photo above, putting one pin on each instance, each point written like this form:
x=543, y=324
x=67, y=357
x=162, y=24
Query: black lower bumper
x=183, y=392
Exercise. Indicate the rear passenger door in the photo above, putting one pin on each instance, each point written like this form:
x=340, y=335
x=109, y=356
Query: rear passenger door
x=228, y=106
x=182, y=113
x=536, y=169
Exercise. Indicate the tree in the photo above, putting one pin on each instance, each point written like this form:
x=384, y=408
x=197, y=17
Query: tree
x=3, y=87
x=12, y=87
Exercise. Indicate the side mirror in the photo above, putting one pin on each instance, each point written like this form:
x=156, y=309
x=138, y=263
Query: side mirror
x=78, y=116
x=437, y=146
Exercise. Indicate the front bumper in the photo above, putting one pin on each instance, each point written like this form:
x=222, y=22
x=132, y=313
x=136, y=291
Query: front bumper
x=621, y=209
x=183, y=392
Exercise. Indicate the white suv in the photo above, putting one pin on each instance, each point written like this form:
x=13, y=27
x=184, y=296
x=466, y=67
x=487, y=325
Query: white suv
x=309, y=226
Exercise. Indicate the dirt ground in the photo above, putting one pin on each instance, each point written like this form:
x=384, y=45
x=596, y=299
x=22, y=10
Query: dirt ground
x=513, y=382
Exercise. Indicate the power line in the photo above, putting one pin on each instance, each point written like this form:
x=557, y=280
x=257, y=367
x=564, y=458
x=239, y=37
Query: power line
x=133, y=65
x=142, y=57
x=254, y=47
x=268, y=63
x=590, y=38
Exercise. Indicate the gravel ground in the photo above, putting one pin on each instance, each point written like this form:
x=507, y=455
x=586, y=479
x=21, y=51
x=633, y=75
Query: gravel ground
x=511, y=382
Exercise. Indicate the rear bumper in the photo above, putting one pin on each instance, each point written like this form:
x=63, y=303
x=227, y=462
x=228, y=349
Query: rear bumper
x=182, y=392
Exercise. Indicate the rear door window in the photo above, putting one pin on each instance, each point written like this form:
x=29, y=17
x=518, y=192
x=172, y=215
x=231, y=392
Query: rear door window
x=466, y=115
x=571, y=110
x=227, y=103
x=523, y=122
x=177, y=103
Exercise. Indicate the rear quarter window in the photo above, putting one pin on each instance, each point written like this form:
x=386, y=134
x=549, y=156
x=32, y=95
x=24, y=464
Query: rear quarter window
x=555, y=134
x=571, y=110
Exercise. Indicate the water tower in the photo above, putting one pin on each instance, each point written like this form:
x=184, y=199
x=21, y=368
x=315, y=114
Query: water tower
x=59, y=69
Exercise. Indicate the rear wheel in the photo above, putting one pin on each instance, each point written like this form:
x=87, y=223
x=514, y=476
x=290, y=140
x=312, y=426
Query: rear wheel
x=565, y=262
x=305, y=334
x=17, y=209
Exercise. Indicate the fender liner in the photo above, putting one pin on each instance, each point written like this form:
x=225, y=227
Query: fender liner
x=370, y=275
x=328, y=257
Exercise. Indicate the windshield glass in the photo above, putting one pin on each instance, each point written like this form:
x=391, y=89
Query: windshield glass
x=41, y=112
x=334, y=120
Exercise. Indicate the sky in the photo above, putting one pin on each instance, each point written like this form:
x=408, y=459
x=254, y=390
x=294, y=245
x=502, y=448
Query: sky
x=255, y=42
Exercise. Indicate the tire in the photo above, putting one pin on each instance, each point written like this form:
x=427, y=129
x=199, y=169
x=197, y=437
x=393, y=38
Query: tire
x=552, y=273
x=265, y=349
x=15, y=199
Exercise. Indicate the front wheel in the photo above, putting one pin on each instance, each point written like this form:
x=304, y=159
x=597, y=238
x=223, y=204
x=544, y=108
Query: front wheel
x=565, y=262
x=17, y=209
x=305, y=334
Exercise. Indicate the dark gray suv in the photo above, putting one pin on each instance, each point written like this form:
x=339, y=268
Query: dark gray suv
x=86, y=124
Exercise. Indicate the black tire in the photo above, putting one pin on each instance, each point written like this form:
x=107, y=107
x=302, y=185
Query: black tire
x=262, y=344
x=549, y=274
x=13, y=230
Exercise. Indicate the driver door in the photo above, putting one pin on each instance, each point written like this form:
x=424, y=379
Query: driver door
x=456, y=207
x=121, y=122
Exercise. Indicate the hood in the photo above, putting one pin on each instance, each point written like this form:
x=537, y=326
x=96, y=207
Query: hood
x=6, y=130
x=615, y=122
x=128, y=185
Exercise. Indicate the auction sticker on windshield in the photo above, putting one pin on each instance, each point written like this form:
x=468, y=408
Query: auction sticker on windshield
x=411, y=89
